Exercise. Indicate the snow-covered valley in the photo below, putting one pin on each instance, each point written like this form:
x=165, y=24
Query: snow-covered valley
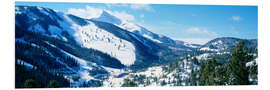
x=109, y=52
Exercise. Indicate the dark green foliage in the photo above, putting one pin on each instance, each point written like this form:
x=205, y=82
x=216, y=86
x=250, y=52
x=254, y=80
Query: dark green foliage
x=253, y=72
x=206, y=76
x=76, y=78
x=237, y=65
x=163, y=83
x=40, y=77
x=129, y=83
x=53, y=84
x=194, y=78
x=30, y=83
x=195, y=61
x=233, y=72
x=139, y=79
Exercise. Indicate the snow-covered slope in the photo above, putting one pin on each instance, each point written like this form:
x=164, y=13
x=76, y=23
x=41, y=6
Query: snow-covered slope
x=86, y=33
x=90, y=36
x=108, y=17
x=107, y=51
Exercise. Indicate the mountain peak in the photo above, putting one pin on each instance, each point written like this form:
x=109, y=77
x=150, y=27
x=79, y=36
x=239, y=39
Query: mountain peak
x=106, y=16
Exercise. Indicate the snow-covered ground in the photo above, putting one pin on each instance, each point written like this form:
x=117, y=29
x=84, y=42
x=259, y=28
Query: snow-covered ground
x=208, y=49
x=91, y=36
x=253, y=62
x=114, y=80
x=83, y=72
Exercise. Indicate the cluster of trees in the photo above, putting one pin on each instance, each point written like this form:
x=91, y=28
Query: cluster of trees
x=137, y=80
x=234, y=72
x=129, y=83
x=37, y=78
x=30, y=83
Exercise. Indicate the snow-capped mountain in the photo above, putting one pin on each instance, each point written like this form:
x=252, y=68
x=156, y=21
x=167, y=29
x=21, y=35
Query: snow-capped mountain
x=108, y=17
x=77, y=46
x=105, y=51
x=119, y=44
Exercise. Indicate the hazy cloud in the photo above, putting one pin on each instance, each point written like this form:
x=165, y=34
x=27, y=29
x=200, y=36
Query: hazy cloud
x=123, y=16
x=110, y=5
x=193, y=15
x=140, y=7
x=87, y=12
x=194, y=40
x=236, y=18
x=201, y=31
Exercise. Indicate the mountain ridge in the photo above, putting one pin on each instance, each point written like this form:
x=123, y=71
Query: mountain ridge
x=98, y=51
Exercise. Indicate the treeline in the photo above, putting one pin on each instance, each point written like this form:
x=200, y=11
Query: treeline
x=234, y=72
x=37, y=78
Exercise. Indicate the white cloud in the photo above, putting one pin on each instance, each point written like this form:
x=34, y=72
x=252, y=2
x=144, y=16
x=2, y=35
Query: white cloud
x=195, y=40
x=90, y=12
x=201, y=31
x=141, y=7
x=110, y=5
x=146, y=7
x=236, y=18
x=193, y=15
x=123, y=16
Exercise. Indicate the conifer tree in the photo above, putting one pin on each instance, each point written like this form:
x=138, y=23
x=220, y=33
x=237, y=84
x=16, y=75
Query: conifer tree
x=30, y=83
x=237, y=70
x=53, y=84
x=206, y=75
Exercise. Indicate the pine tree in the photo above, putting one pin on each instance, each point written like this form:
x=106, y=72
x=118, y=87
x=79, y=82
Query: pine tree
x=30, y=83
x=129, y=83
x=53, y=84
x=206, y=75
x=237, y=70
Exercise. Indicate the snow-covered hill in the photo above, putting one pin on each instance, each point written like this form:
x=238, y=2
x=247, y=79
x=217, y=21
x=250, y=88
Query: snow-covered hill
x=226, y=44
x=87, y=35
x=107, y=51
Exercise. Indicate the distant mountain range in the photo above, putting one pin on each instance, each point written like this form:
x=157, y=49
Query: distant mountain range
x=100, y=49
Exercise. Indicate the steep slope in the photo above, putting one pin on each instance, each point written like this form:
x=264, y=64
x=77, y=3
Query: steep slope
x=76, y=47
x=68, y=27
x=108, y=17
x=58, y=25
x=80, y=36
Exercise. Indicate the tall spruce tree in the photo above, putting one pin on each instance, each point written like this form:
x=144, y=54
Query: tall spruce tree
x=237, y=71
x=206, y=75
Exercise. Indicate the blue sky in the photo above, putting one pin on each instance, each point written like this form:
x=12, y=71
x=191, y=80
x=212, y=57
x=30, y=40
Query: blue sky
x=191, y=23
